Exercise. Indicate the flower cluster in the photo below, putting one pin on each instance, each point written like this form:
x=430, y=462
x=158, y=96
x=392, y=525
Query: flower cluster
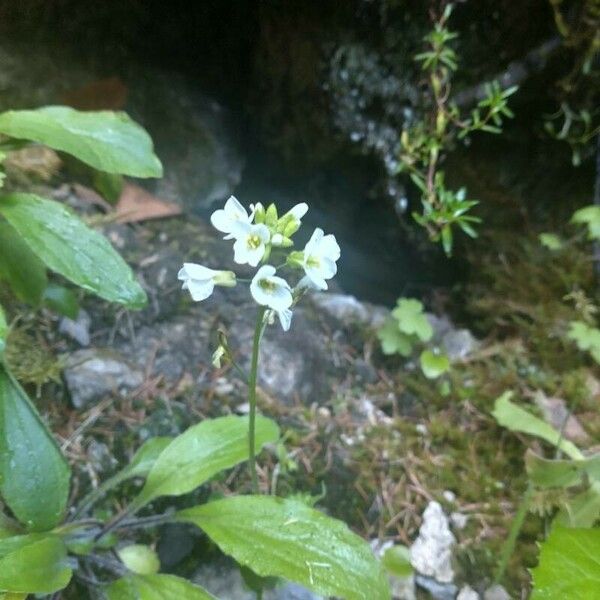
x=260, y=235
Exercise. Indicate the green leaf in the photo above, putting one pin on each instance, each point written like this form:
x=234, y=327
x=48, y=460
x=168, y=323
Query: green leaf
x=107, y=141
x=59, y=238
x=155, y=587
x=515, y=418
x=396, y=561
x=34, y=476
x=587, y=338
x=3, y=330
x=550, y=241
x=583, y=510
x=62, y=300
x=20, y=267
x=433, y=365
x=546, y=473
x=33, y=564
x=199, y=453
x=393, y=341
x=412, y=320
x=283, y=538
x=590, y=216
x=139, y=559
x=569, y=566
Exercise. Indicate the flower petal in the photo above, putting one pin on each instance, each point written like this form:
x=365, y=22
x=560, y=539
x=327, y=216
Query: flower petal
x=200, y=290
x=195, y=271
x=285, y=318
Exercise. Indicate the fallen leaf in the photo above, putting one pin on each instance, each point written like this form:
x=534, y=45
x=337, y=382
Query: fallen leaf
x=90, y=196
x=136, y=204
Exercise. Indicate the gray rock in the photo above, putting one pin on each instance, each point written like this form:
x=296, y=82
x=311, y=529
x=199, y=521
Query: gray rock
x=349, y=311
x=91, y=375
x=403, y=588
x=78, y=329
x=555, y=412
x=458, y=343
x=467, y=593
x=496, y=592
x=431, y=554
x=436, y=589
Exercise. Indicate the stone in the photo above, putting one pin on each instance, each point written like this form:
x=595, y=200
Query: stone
x=467, y=593
x=496, y=592
x=349, y=311
x=431, y=553
x=459, y=343
x=403, y=588
x=555, y=412
x=77, y=329
x=459, y=520
x=436, y=589
x=92, y=374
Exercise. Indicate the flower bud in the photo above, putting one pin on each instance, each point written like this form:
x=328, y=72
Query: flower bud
x=225, y=278
x=139, y=559
x=218, y=354
x=271, y=216
x=295, y=259
x=259, y=213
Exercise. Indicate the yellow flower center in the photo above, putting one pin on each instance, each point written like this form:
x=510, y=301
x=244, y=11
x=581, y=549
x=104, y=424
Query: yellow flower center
x=253, y=242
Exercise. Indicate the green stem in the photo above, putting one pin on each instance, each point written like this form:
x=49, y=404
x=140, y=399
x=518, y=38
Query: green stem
x=98, y=493
x=509, y=545
x=258, y=330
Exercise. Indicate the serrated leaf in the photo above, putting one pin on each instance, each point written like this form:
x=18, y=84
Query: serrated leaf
x=393, y=341
x=108, y=141
x=34, y=476
x=546, y=473
x=66, y=245
x=201, y=452
x=569, y=566
x=433, y=365
x=34, y=564
x=155, y=587
x=412, y=320
x=583, y=510
x=515, y=418
x=20, y=267
x=276, y=537
x=587, y=338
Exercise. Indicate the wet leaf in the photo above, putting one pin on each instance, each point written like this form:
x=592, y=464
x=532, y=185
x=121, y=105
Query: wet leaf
x=66, y=245
x=107, y=141
x=34, y=476
x=155, y=587
x=515, y=418
x=33, y=564
x=199, y=453
x=20, y=267
x=283, y=538
x=569, y=566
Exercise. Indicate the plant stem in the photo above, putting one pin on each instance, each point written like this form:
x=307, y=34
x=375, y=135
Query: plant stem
x=509, y=545
x=258, y=330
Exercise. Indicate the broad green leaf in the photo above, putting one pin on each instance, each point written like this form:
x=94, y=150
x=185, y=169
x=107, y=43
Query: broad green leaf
x=20, y=267
x=12, y=596
x=139, y=559
x=33, y=564
x=199, y=453
x=3, y=330
x=155, y=587
x=34, y=476
x=108, y=141
x=283, y=538
x=412, y=320
x=393, y=341
x=589, y=216
x=433, y=365
x=583, y=510
x=586, y=338
x=515, y=418
x=546, y=473
x=550, y=241
x=569, y=566
x=66, y=245
x=62, y=300
x=396, y=561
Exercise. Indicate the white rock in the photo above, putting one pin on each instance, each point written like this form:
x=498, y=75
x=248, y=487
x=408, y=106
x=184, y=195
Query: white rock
x=431, y=554
x=496, y=592
x=467, y=593
x=458, y=520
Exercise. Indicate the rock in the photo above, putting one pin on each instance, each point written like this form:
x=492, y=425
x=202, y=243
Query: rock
x=458, y=520
x=78, y=329
x=496, y=592
x=555, y=411
x=437, y=590
x=467, y=593
x=349, y=311
x=91, y=375
x=458, y=343
x=431, y=554
x=403, y=588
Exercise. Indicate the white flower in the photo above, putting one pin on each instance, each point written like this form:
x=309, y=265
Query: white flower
x=201, y=281
x=229, y=219
x=319, y=258
x=250, y=243
x=291, y=221
x=297, y=211
x=272, y=291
